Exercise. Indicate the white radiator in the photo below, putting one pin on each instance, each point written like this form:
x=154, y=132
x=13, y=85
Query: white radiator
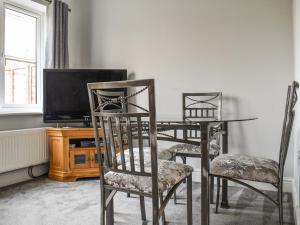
x=22, y=148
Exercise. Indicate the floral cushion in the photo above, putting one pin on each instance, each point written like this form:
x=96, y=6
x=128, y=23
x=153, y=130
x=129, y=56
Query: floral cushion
x=246, y=168
x=165, y=154
x=194, y=149
x=169, y=173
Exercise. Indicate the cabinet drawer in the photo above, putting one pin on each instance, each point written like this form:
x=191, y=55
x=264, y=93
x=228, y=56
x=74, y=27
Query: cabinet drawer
x=79, y=159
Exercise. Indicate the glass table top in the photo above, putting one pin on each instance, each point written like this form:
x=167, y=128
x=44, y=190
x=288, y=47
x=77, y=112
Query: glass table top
x=195, y=121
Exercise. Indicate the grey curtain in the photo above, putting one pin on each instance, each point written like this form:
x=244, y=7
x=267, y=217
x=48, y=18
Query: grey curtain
x=57, y=52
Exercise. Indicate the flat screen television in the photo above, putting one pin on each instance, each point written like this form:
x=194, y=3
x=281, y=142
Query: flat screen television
x=65, y=92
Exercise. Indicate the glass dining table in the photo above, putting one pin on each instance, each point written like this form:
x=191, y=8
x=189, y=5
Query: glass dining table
x=173, y=130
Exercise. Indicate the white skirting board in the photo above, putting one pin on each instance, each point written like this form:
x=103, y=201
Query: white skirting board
x=296, y=205
x=21, y=175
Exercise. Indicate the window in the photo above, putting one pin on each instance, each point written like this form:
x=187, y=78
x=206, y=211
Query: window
x=23, y=46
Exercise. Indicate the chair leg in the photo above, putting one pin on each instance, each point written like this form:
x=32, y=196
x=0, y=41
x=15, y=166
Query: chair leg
x=218, y=193
x=102, y=210
x=189, y=201
x=155, y=210
x=184, y=162
x=142, y=205
x=212, y=189
x=163, y=216
x=280, y=206
x=175, y=196
x=109, y=209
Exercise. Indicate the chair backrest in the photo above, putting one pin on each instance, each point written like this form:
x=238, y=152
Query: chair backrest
x=287, y=126
x=202, y=106
x=122, y=130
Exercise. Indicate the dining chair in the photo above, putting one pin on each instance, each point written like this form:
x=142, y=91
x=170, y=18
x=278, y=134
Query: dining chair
x=237, y=167
x=204, y=106
x=128, y=165
x=109, y=102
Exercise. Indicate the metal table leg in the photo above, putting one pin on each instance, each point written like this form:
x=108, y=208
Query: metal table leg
x=204, y=175
x=224, y=202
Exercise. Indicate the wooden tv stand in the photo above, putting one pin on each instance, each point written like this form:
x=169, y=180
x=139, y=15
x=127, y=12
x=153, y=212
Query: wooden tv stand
x=70, y=155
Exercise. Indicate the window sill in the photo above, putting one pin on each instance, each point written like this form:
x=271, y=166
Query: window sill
x=7, y=112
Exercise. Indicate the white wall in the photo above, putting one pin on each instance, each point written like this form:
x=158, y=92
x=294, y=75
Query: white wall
x=243, y=48
x=297, y=119
x=79, y=33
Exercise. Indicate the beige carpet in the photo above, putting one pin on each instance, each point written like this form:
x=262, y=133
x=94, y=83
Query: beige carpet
x=45, y=202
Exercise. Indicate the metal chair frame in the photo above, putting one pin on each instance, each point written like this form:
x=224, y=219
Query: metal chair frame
x=284, y=145
x=123, y=127
x=207, y=107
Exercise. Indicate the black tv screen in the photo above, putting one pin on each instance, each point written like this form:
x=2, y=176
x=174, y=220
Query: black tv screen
x=65, y=92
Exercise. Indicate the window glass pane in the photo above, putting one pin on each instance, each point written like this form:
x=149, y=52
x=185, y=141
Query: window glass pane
x=20, y=35
x=20, y=82
x=20, y=58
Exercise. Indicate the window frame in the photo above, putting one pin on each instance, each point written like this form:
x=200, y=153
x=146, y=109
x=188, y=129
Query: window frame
x=26, y=7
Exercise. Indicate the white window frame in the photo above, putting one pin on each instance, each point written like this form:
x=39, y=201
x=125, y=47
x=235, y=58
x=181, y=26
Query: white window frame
x=38, y=11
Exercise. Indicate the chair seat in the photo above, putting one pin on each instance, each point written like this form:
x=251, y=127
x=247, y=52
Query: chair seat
x=194, y=149
x=169, y=174
x=245, y=167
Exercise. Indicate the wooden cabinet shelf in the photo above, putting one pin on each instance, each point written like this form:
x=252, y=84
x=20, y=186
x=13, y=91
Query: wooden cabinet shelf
x=69, y=160
x=81, y=148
